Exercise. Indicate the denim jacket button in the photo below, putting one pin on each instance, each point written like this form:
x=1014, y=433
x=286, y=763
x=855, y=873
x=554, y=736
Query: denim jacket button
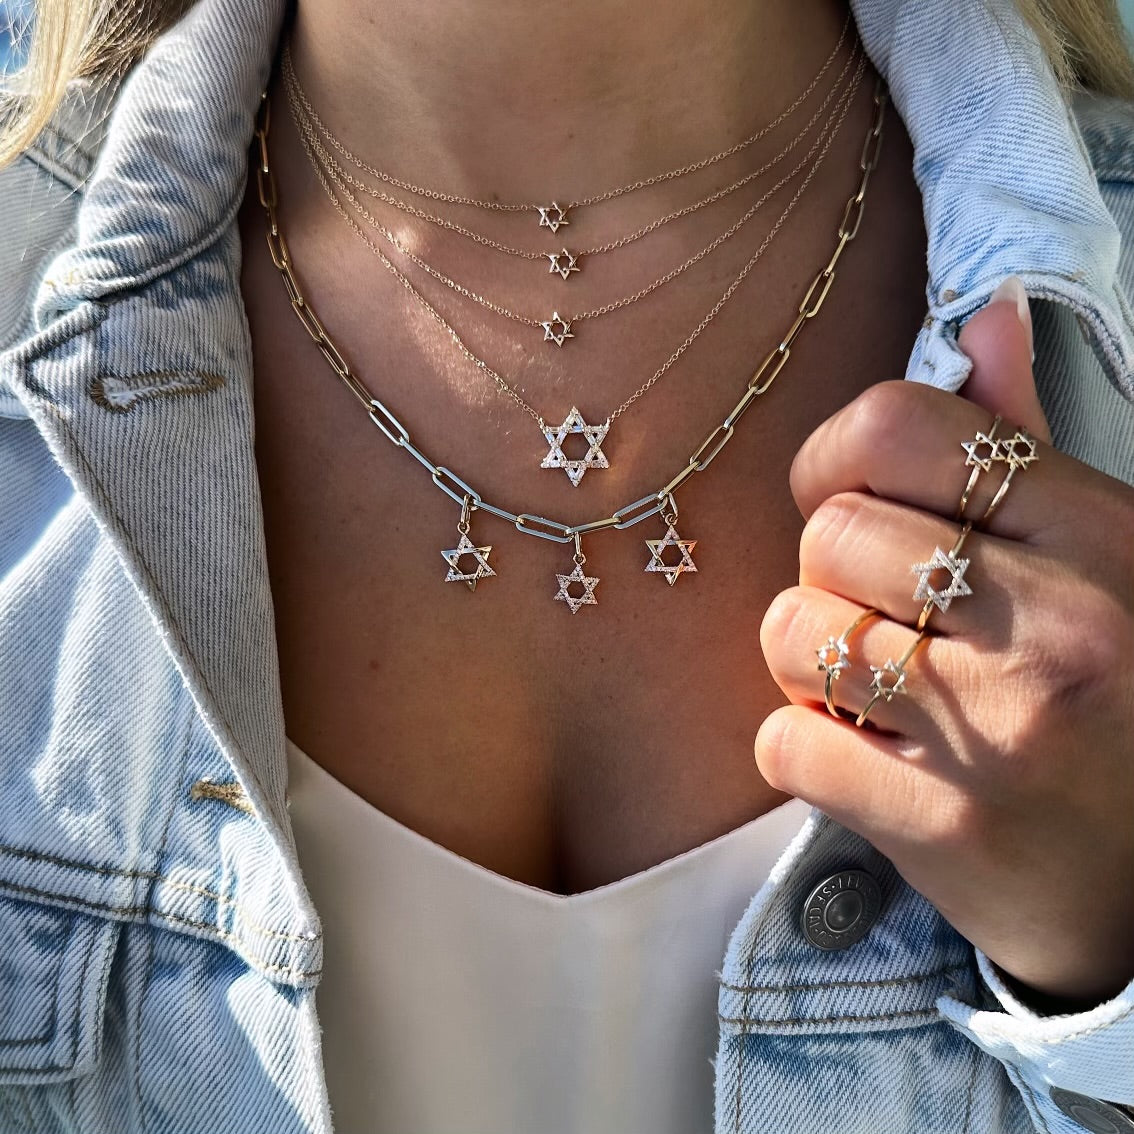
x=1092, y=1114
x=841, y=909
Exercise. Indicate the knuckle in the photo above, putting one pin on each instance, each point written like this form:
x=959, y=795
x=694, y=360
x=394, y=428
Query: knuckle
x=881, y=416
x=784, y=621
x=830, y=527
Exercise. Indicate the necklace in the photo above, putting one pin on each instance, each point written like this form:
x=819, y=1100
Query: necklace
x=563, y=262
x=557, y=329
x=554, y=215
x=554, y=436
x=663, y=502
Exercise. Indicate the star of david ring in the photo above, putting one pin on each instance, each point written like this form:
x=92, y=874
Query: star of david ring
x=980, y=453
x=889, y=680
x=942, y=598
x=1018, y=452
x=834, y=657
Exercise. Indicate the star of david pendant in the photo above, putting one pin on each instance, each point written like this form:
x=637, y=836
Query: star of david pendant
x=947, y=561
x=588, y=583
x=552, y=216
x=563, y=262
x=594, y=436
x=834, y=657
x=981, y=451
x=672, y=539
x=886, y=689
x=480, y=569
x=556, y=330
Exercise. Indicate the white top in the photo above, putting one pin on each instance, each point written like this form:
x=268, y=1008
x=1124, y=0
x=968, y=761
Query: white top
x=457, y=1001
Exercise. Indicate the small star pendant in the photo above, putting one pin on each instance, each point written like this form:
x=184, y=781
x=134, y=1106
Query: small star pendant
x=556, y=330
x=563, y=262
x=587, y=598
x=657, y=548
x=552, y=216
x=481, y=570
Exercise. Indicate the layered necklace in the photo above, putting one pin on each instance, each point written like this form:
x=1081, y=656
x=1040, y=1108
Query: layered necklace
x=670, y=555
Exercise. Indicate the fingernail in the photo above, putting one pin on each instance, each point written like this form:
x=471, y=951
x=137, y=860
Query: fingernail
x=1012, y=290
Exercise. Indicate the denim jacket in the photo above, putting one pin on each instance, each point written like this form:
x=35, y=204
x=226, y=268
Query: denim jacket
x=158, y=949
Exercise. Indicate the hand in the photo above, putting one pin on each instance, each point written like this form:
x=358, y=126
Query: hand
x=1002, y=785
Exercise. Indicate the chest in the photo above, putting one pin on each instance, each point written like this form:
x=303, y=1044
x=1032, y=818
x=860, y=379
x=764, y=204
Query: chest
x=564, y=750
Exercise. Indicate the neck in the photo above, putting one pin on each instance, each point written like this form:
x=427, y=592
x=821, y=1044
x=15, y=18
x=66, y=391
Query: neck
x=529, y=98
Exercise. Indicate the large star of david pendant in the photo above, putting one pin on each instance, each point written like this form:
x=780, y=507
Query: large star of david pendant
x=563, y=262
x=480, y=570
x=587, y=598
x=552, y=216
x=556, y=330
x=942, y=561
x=594, y=435
x=657, y=548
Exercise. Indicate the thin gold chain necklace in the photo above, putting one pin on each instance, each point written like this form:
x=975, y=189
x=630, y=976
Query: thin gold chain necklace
x=557, y=329
x=574, y=423
x=554, y=216
x=562, y=262
x=576, y=589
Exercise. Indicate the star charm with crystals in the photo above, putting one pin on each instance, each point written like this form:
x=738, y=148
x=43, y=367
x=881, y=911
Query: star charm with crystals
x=562, y=262
x=974, y=458
x=1019, y=451
x=556, y=330
x=834, y=656
x=552, y=216
x=594, y=435
x=658, y=546
x=480, y=571
x=888, y=691
x=587, y=598
x=942, y=561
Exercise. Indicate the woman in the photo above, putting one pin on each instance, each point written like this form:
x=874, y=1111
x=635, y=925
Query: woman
x=529, y=836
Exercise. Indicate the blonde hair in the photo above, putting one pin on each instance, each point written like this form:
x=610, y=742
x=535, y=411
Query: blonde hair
x=67, y=39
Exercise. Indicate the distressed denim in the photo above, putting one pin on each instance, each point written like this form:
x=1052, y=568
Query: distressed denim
x=158, y=950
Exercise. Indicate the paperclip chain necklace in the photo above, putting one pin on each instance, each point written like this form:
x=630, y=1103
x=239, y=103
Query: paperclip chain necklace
x=663, y=502
x=563, y=262
x=557, y=329
x=574, y=423
x=554, y=216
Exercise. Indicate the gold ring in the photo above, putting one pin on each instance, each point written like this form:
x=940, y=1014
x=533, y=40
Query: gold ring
x=889, y=680
x=834, y=657
x=1019, y=452
x=941, y=599
x=977, y=462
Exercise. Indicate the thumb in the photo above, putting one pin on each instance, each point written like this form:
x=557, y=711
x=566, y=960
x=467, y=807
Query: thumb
x=998, y=339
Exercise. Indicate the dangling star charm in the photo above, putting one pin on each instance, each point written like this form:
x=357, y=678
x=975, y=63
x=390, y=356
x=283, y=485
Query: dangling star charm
x=657, y=548
x=562, y=262
x=556, y=330
x=480, y=571
x=587, y=598
x=552, y=216
x=973, y=457
x=594, y=436
x=834, y=656
x=957, y=587
x=883, y=688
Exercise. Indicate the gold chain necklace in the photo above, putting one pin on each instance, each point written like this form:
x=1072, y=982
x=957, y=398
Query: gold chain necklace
x=554, y=216
x=563, y=262
x=576, y=589
x=574, y=423
x=557, y=329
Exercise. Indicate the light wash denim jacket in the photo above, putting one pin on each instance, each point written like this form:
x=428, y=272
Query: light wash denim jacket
x=158, y=950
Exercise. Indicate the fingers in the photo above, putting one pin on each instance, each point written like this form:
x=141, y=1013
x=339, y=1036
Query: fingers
x=903, y=441
x=865, y=549
x=802, y=621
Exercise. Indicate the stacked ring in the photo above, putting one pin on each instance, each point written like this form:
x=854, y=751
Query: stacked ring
x=985, y=450
x=977, y=462
x=941, y=599
x=834, y=657
x=884, y=689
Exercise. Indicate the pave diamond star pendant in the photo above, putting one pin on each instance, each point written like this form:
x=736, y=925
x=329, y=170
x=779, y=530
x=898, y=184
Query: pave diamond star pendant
x=557, y=434
x=480, y=568
x=942, y=598
x=587, y=598
x=672, y=572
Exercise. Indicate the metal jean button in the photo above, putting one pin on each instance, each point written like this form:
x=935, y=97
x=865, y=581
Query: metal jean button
x=841, y=909
x=1092, y=1114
